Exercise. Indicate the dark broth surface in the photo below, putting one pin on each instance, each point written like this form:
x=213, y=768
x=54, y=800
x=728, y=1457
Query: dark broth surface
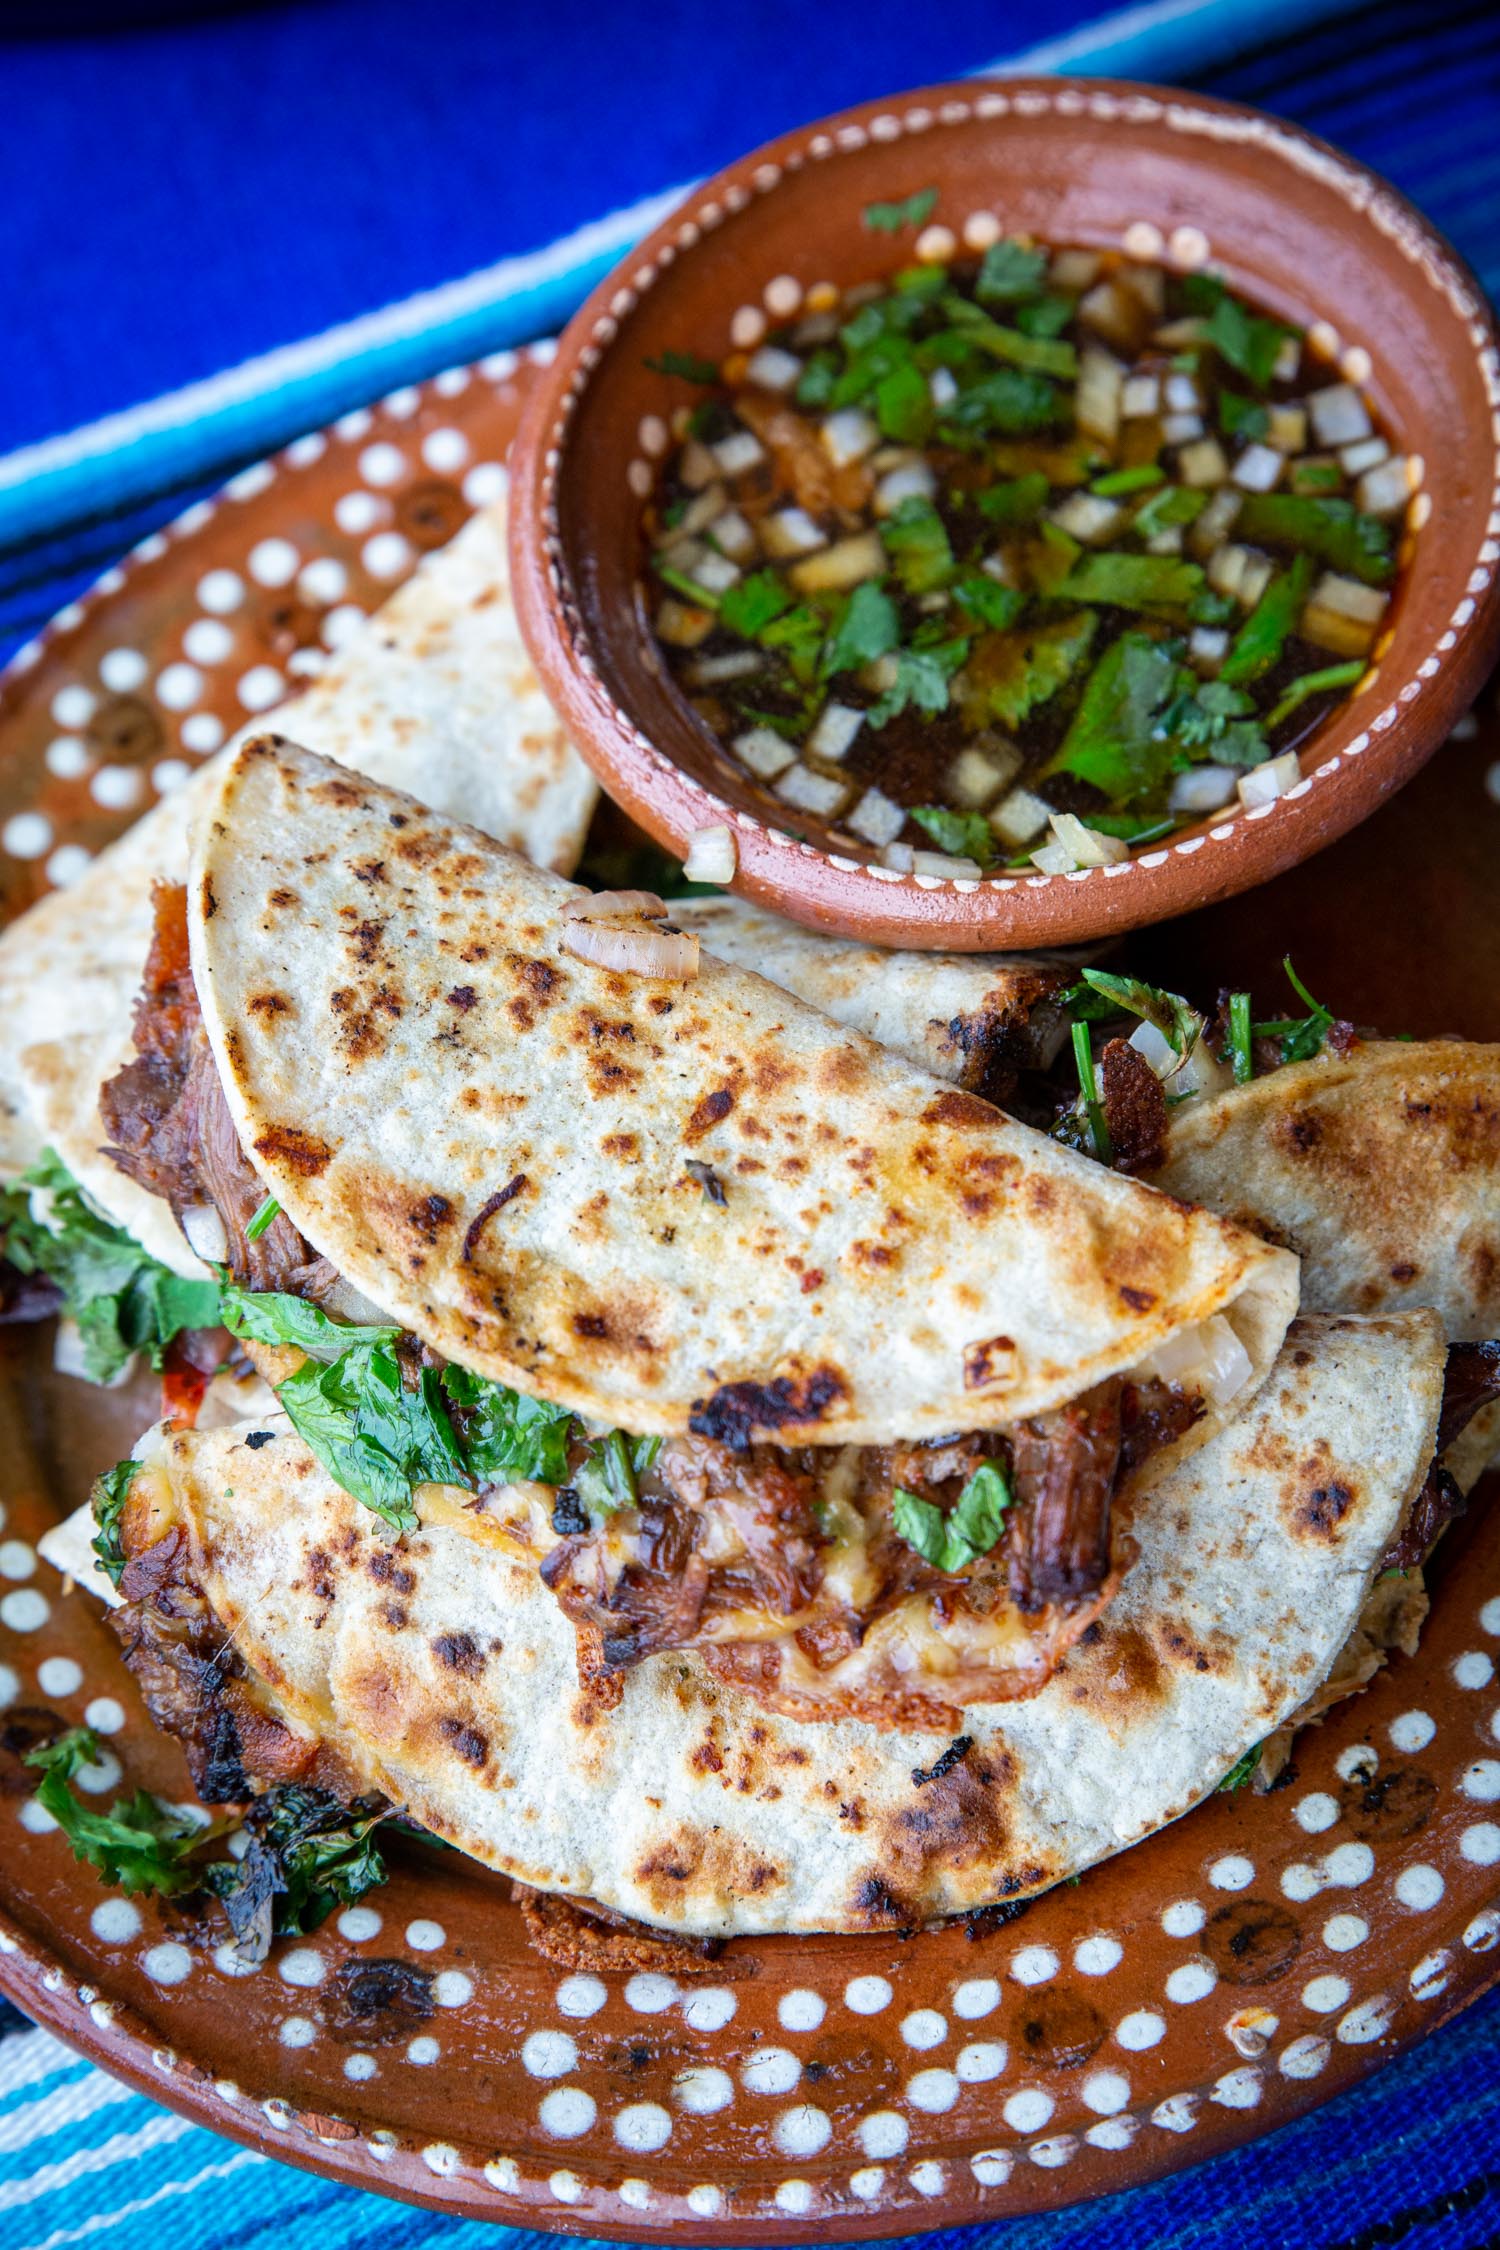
x=1027, y=558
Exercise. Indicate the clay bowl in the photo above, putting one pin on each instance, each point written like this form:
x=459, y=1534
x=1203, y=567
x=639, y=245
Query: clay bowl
x=1301, y=229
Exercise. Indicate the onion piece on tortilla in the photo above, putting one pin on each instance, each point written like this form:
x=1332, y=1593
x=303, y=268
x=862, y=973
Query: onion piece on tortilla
x=634, y=947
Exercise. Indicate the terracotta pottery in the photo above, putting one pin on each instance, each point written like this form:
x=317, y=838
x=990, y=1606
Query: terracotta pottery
x=1248, y=1962
x=1300, y=228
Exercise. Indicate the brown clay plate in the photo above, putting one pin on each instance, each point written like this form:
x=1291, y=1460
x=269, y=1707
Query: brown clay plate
x=1247, y=1963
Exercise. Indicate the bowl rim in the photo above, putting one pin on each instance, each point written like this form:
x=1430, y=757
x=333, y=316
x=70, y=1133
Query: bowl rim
x=1218, y=855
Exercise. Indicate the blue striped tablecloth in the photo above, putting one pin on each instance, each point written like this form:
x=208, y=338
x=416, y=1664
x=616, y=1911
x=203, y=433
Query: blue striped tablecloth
x=1413, y=2157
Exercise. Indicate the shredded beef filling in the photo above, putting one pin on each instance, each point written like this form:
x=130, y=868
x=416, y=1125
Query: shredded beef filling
x=1471, y=1380
x=170, y=1126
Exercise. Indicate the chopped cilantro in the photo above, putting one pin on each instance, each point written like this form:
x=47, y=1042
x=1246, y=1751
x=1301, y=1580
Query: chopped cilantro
x=375, y=1436
x=1011, y=271
x=123, y=1300
x=1178, y=1023
x=916, y=540
x=1333, y=530
x=966, y=835
x=1301, y=1036
x=986, y=601
x=1210, y=608
x=138, y=1845
x=1116, y=739
x=1011, y=401
x=748, y=607
x=1241, y=1038
x=868, y=627
x=1164, y=511
x=1246, y=341
x=700, y=596
x=1019, y=501
x=606, y=1481
x=1324, y=682
x=1258, y=644
x=687, y=365
x=268, y=1317
x=1043, y=316
x=1243, y=1768
x=265, y=1213
x=1216, y=718
x=307, y=1854
x=1241, y=417
x=1088, y=1084
x=815, y=383
x=1140, y=582
x=1029, y=665
x=507, y=1437
x=107, y=1500
x=952, y=1540
x=921, y=682
x=1121, y=481
x=903, y=405
x=890, y=218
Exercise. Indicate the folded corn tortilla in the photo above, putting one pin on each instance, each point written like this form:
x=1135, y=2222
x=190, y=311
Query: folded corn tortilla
x=491, y=1138
x=449, y=1683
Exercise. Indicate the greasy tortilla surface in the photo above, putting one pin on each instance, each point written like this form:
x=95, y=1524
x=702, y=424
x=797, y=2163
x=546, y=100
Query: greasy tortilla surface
x=1378, y=1167
x=450, y=1683
x=492, y=1138
x=435, y=692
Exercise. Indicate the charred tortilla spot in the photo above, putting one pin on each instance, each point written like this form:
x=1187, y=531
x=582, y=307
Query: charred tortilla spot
x=876, y=1905
x=302, y=1153
x=1320, y=1511
x=736, y=1411
x=463, y=997
x=269, y=1004
x=472, y=1746
x=963, y=1112
x=1252, y=1941
x=712, y=1110
x=593, y=1325
x=370, y=871
x=461, y=1653
x=255, y=1439
x=956, y=1822
x=367, y=938
x=284, y=897
x=1300, y=1131
x=1139, y=1300
x=486, y=1212
x=989, y=1362
x=430, y=1216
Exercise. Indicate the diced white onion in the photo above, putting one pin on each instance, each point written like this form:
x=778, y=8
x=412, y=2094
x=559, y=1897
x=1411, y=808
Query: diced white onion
x=1156, y=1048
x=712, y=855
x=740, y=451
x=1019, y=817
x=1085, y=516
x=1215, y=520
x=1258, y=468
x=206, y=1233
x=914, y=481
x=899, y=857
x=978, y=775
x=876, y=818
x=716, y=573
x=698, y=514
x=1203, y=463
x=811, y=792
x=1255, y=577
x=604, y=906
x=849, y=435
x=817, y=328
x=1054, y=859
x=773, y=369
x=1168, y=542
x=791, y=531
x=1202, y=789
x=763, y=751
x=1339, y=415
x=1096, y=404
x=680, y=624
x=1384, y=490
x=1226, y=567
x=1147, y=284
x=1208, y=645
x=879, y=675
x=1287, y=428
x=1367, y=454
x=634, y=948
x=844, y=564
x=1182, y=393
x=697, y=467
x=1180, y=335
x=1114, y=313
x=1074, y=269
x=999, y=567
x=1140, y=398
x=735, y=664
x=837, y=726
x=1262, y=785
x=1288, y=359
x=1090, y=846
x=732, y=535
x=1181, y=429
x=1207, y=1357
x=942, y=386
x=1341, y=615
x=945, y=864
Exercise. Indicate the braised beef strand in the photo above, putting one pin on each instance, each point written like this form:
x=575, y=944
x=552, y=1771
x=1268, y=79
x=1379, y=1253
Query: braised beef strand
x=1471, y=1381
x=170, y=1127
x=1064, y=1467
x=1135, y=1108
x=1435, y=1507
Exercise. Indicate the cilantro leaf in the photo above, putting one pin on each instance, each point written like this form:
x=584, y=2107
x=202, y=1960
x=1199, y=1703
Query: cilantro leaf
x=1045, y=355
x=1149, y=582
x=107, y=1500
x=1322, y=682
x=1243, y=1768
x=1119, y=483
x=606, y=1481
x=986, y=601
x=1242, y=417
x=376, y=1437
x=1116, y=739
x=505, y=1435
x=1015, y=673
x=1019, y=501
x=921, y=683
x=748, y=607
x=138, y=1845
x=1010, y=271
x=1044, y=316
x=122, y=1298
x=1333, y=530
x=1260, y=640
x=1011, y=400
x=903, y=405
x=966, y=835
x=1164, y=511
x=1246, y=341
x=815, y=383
x=916, y=539
x=868, y=627
x=688, y=365
x=951, y=1541
x=1178, y=1023
x=267, y=1316
x=890, y=218
x=1301, y=1037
